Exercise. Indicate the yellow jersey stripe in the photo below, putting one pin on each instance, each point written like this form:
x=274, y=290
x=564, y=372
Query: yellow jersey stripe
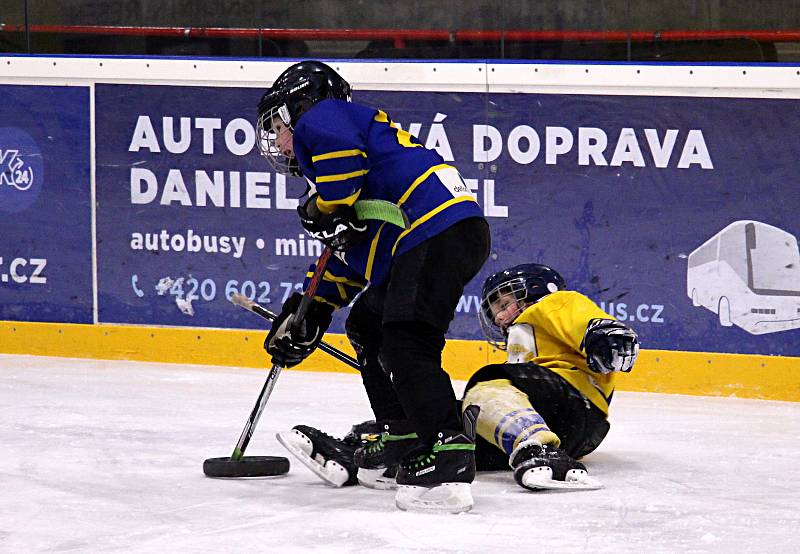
x=404, y=138
x=372, y=248
x=341, y=176
x=334, y=279
x=419, y=180
x=324, y=301
x=343, y=280
x=429, y=215
x=327, y=206
x=338, y=154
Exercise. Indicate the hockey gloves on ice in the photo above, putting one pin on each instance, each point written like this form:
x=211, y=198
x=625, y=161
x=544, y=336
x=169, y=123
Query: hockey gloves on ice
x=339, y=229
x=610, y=346
x=289, y=349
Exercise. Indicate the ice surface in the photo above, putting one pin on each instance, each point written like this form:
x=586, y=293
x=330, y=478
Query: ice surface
x=100, y=456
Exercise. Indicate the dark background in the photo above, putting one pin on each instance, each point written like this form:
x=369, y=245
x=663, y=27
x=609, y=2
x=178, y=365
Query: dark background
x=448, y=16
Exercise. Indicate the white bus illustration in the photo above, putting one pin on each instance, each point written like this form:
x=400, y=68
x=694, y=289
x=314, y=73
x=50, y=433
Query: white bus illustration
x=748, y=274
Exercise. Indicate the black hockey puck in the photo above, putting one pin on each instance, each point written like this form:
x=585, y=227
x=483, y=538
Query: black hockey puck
x=247, y=466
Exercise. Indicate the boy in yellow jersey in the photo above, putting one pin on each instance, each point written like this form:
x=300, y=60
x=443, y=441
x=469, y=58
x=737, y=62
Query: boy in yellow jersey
x=539, y=411
x=549, y=403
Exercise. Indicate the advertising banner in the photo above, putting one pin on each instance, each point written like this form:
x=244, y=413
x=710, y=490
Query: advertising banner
x=674, y=213
x=189, y=211
x=620, y=193
x=45, y=204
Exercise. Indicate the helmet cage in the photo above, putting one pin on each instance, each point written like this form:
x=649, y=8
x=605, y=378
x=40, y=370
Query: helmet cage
x=268, y=135
x=515, y=287
x=527, y=283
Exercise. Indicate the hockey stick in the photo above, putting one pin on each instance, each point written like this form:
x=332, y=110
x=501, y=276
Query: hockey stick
x=381, y=210
x=238, y=465
x=297, y=321
x=244, y=302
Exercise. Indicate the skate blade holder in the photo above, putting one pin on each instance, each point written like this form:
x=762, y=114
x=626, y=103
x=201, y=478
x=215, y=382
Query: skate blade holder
x=246, y=466
x=332, y=472
x=541, y=479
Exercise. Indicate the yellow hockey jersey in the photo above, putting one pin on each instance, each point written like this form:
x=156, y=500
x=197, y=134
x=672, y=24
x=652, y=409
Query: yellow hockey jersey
x=549, y=333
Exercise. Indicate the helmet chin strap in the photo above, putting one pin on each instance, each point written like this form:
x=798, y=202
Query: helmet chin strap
x=283, y=112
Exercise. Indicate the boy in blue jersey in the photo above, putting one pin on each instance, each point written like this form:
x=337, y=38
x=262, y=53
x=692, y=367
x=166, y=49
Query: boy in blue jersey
x=408, y=281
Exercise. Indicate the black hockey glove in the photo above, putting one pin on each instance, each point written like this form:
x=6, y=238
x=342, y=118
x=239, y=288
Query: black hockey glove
x=339, y=229
x=288, y=349
x=610, y=346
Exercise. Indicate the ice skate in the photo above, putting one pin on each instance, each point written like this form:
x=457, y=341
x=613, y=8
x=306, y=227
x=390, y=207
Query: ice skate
x=437, y=479
x=542, y=467
x=329, y=458
x=377, y=460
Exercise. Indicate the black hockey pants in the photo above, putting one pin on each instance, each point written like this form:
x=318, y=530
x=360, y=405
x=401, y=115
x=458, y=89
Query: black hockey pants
x=398, y=329
x=579, y=424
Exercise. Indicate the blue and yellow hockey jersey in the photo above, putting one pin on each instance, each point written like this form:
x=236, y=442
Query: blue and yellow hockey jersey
x=348, y=152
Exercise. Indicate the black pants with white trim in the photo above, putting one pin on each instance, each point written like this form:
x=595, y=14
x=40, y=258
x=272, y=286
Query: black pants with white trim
x=579, y=424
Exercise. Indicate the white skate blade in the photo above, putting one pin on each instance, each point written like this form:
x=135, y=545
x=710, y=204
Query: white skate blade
x=374, y=479
x=541, y=478
x=300, y=447
x=450, y=498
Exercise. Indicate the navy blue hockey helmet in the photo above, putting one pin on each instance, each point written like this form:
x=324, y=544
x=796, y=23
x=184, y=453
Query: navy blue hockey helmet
x=527, y=283
x=294, y=91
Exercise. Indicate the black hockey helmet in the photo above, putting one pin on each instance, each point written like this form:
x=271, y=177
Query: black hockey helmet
x=294, y=91
x=528, y=283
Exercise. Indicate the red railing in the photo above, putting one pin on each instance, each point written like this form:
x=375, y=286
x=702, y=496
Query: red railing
x=400, y=37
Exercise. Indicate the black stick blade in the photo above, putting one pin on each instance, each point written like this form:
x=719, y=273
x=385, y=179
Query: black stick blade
x=247, y=466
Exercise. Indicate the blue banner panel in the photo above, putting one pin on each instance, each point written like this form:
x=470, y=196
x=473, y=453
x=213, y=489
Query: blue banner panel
x=45, y=204
x=621, y=194
x=670, y=212
x=189, y=212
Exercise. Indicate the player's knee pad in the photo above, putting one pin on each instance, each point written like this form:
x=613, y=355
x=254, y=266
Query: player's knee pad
x=506, y=416
x=363, y=330
x=497, y=395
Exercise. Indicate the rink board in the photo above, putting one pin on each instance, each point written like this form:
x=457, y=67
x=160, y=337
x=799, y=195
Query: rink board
x=663, y=192
x=663, y=371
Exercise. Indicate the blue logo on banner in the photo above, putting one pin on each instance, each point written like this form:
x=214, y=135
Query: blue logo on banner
x=21, y=170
